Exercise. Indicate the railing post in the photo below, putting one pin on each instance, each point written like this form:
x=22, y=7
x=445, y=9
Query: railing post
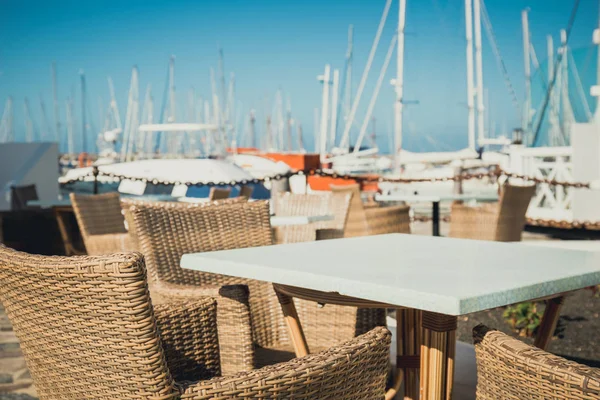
x=95, y=172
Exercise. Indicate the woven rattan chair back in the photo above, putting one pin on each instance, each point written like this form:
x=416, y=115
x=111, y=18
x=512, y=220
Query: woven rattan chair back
x=246, y=191
x=510, y=369
x=167, y=231
x=356, y=224
x=513, y=205
x=85, y=325
x=98, y=214
x=502, y=221
x=20, y=195
x=127, y=203
x=218, y=194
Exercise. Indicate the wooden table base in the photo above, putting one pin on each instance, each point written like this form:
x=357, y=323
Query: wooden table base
x=548, y=323
x=438, y=349
x=408, y=347
x=425, y=341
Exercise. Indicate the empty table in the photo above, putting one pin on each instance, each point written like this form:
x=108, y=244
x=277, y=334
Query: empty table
x=441, y=278
x=435, y=200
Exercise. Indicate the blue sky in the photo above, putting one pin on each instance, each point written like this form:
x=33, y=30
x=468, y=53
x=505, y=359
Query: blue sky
x=271, y=44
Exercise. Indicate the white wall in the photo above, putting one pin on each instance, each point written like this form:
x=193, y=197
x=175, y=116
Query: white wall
x=28, y=163
x=585, y=140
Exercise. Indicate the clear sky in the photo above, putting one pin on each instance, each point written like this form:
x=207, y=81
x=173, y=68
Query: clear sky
x=271, y=44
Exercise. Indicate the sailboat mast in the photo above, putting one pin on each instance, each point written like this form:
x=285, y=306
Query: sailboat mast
x=349, y=57
x=55, y=100
x=345, y=141
x=28, y=123
x=597, y=43
x=334, y=106
x=324, y=110
x=252, y=129
x=479, y=70
x=470, y=89
x=527, y=60
x=83, y=113
x=399, y=84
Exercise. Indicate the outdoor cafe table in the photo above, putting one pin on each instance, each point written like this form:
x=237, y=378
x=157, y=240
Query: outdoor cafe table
x=429, y=280
x=435, y=200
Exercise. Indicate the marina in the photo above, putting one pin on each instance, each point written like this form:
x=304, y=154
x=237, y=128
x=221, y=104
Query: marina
x=387, y=237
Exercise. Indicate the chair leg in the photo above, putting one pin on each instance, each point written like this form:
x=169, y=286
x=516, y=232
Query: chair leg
x=549, y=321
x=438, y=350
x=293, y=324
x=64, y=233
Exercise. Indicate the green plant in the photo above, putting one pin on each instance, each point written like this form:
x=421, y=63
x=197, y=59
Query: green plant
x=523, y=318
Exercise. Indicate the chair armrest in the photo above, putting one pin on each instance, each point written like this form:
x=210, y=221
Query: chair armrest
x=359, y=367
x=188, y=330
x=326, y=234
x=109, y=243
x=233, y=321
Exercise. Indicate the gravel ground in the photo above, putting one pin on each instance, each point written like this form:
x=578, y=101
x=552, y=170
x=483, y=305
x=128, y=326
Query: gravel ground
x=576, y=336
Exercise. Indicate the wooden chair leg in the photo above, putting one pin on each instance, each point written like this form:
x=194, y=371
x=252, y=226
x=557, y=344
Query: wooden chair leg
x=438, y=350
x=549, y=321
x=64, y=233
x=293, y=324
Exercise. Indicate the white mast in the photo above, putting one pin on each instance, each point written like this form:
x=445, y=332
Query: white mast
x=113, y=105
x=399, y=85
x=470, y=89
x=596, y=89
x=70, y=144
x=252, y=129
x=527, y=60
x=207, y=136
x=346, y=136
x=334, y=106
x=365, y=124
x=131, y=118
x=84, y=126
x=348, y=90
x=288, y=123
x=324, y=110
x=45, y=131
x=479, y=70
x=172, y=89
x=567, y=111
x=553, y=120
x=28, y=122
x=55, y=102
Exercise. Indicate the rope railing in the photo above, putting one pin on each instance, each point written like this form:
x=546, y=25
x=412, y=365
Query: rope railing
x=494, y=174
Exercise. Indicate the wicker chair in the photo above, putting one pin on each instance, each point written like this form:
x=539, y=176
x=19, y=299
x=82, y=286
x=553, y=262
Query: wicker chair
x=246, y=191
x=101, y=223
x=166, y=231
x=372, y=220
x=287, y=204
x=128, y=202
x=20, y=195
x=88, y=330
x=218, y=194
x=510, y=369
x=502, y=221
